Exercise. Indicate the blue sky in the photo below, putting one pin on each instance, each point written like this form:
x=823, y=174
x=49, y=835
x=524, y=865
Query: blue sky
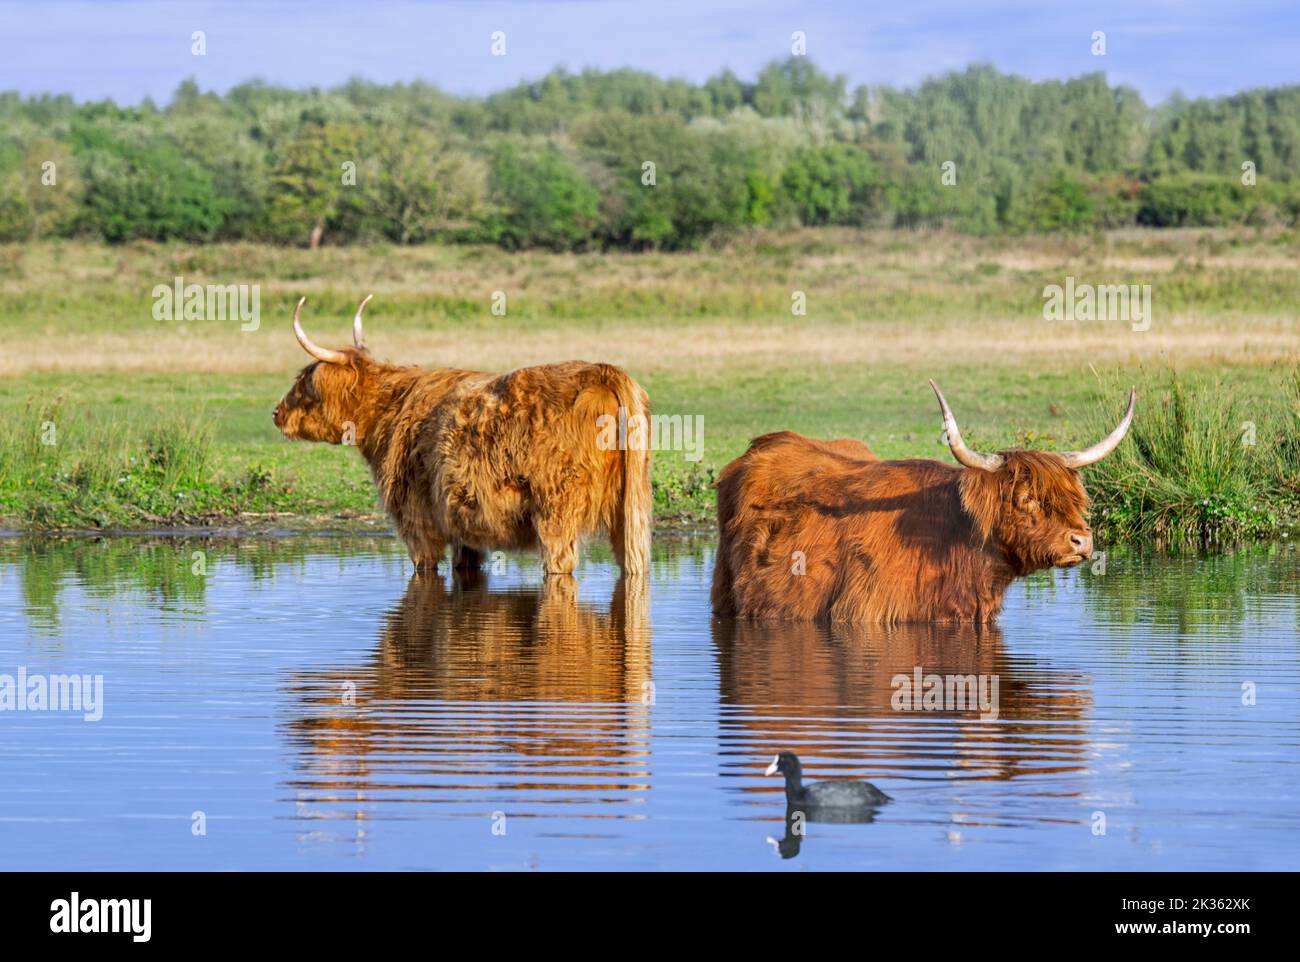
x=130, y=49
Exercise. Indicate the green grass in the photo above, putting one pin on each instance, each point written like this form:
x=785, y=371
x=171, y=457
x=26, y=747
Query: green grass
x=1203, y=467
x=165, y=456
x=187, y=439
x=62, y=468
x=73, y=287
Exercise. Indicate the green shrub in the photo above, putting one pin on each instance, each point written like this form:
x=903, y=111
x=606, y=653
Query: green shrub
x=420, y=189
x=1194, y=200
x=309, y=200
x=138, y=184
x=702, y=179
x=834, y=184
x=1057, y=202
x=542, y=200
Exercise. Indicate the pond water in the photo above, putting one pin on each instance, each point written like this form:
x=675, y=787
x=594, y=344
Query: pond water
x=303, y=703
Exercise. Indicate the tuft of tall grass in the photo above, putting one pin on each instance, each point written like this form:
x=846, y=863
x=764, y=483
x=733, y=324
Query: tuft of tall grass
x=1198, y=468
x=1286, y=449
x=178, y=450
x=61, y=468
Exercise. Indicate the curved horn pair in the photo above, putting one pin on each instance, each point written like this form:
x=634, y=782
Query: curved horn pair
x=324, y=354
x=1072, y=459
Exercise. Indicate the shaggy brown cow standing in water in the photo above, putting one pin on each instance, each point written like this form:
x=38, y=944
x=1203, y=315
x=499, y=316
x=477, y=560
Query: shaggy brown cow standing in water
x=485, y=461
x=813, y=530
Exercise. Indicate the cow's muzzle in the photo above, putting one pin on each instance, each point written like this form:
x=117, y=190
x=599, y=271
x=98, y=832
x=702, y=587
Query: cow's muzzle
x=1080, y=548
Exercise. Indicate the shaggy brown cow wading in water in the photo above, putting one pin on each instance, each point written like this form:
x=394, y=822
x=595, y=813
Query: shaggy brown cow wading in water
x=824, y=530
x=484, y=461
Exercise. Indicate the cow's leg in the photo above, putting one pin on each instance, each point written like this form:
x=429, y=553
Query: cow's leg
x=618, y=541
x=426, y=550
x=721, y=598
x=467, y=579
x=558, y=536
x=466, y=558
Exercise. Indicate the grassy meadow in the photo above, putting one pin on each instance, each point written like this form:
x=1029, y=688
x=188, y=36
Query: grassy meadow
x=110, y=418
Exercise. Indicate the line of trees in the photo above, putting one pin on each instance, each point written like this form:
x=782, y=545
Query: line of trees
x=628, y=159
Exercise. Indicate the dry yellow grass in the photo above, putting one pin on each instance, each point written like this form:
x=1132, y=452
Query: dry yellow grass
x=706, y=347
x=874, y=297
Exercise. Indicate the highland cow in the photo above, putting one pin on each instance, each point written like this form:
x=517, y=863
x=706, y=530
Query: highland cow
x=815, y=530
x=484, y=461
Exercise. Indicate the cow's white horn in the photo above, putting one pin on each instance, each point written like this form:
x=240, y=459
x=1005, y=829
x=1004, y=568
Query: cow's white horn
x=963, y=454
x=1080, y=459
x=358, y=338
x=320, y=353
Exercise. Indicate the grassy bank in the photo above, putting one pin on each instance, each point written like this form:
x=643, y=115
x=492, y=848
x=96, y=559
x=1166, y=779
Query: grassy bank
x=112, y=418
x=1202, y=468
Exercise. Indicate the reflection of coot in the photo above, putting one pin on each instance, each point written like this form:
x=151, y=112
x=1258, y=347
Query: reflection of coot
x=788, y=846
x=833, y=800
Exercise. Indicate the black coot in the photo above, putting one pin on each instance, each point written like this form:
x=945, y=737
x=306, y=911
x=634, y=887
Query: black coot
x=830, y=798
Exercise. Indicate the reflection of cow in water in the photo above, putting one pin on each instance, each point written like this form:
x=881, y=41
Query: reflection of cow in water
x=386, y=723
x=468, y=643
x=800, y=686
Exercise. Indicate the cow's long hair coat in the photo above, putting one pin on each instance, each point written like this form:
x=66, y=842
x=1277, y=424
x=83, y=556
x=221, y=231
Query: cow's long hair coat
x=485, y=461
x=824, y=530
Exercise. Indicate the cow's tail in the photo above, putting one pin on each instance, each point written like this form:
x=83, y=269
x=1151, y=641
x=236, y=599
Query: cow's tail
x=634, y=512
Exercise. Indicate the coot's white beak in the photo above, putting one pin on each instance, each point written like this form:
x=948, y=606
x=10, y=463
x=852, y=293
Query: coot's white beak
x=771, y=769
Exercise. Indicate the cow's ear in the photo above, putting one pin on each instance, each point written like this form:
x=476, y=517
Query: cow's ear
x=981, y=498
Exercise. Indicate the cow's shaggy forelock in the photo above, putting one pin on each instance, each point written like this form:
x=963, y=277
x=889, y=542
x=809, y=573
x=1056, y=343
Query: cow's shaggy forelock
x=325, y=398
x=1027, y=508
x=814, y=530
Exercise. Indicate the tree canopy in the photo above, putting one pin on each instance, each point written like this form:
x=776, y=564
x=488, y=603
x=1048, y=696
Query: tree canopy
x=624, y=158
